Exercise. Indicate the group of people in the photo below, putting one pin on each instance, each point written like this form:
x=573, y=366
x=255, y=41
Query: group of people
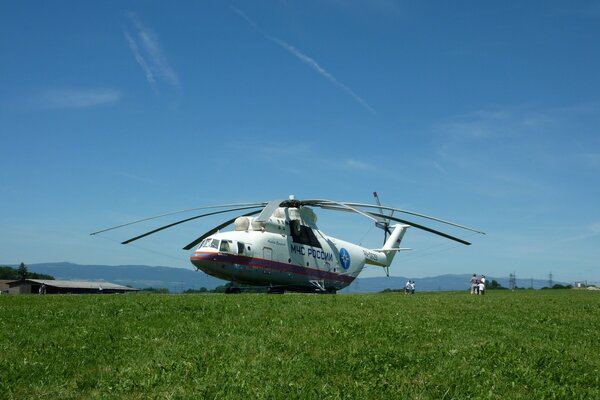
x=478, y=284
x=409, y=288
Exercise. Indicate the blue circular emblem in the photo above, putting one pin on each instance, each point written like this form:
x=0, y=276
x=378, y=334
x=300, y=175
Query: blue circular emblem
x=344, y=258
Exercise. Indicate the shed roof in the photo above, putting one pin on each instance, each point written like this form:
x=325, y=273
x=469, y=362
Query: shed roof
x=4, y=283
x=77, y=284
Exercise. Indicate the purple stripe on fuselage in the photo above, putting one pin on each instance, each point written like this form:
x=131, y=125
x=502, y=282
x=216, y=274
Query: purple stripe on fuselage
x=259, y=262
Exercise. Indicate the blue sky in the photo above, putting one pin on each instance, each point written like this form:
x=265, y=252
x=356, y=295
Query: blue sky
x=483, y=114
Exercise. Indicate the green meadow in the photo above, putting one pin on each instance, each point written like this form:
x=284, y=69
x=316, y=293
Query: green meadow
x=445, y=345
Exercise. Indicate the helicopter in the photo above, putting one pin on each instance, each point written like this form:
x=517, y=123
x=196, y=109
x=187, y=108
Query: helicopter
x=282, y=248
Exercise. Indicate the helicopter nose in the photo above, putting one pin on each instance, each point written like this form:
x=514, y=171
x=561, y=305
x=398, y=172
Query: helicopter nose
x=204, y=261
x=200, y=263
x=201, y=260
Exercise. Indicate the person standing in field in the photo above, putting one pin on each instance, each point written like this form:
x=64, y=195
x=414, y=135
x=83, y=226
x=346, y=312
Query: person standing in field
x=474, y=284
x=412, y=287
x=407, y=287
x=482, y=284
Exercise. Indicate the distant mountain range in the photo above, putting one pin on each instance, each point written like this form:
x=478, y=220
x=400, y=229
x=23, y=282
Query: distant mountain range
x=180, y=279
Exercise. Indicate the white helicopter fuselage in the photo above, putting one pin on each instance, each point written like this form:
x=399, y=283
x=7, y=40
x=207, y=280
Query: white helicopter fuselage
x=288, y=251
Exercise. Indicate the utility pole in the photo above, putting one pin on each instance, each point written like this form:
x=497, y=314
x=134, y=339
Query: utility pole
x=550, y=280
x=512, y=281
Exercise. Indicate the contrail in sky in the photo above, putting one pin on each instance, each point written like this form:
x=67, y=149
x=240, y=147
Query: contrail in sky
x=149, y=55
x=140, y=59
x=305, y=59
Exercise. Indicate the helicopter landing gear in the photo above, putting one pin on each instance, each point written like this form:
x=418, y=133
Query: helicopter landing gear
x=233, y=290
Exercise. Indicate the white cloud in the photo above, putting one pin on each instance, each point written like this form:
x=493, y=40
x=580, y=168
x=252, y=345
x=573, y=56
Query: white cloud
x=520, y=121
x=519, y=150
x=136, y=178
x=494, y=123
x=440, y=168
x=307, y=60
x=77, y=98
x=149, y=55
x=303, y=154
x=590, y=160
x=390, y=8
x=280, y=149
x=355, y=165
x=587, y=232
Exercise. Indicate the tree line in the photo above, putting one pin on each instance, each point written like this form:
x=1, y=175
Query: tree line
x=10, y=273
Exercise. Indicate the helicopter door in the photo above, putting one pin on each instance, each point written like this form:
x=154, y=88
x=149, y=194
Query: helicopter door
x=267, y=253
x=240, y=247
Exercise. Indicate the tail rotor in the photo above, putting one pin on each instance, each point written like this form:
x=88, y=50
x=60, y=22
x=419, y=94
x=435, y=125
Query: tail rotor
x=383, y=223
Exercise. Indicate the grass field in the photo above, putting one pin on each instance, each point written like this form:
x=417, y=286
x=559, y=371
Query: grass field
x=523, y=344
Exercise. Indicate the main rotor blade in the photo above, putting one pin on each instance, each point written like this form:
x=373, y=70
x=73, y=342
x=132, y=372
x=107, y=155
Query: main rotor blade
x=261, y=204
x=340, y=206
x=424, y=228
x=329, y=204
x=268, y=210
x=378, y=202
x=418, y=226
x=217, y=228
x=385, y=224
x=181, y=222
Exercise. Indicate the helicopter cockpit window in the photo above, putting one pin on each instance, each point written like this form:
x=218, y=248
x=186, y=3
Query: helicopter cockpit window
x=214, y=243
x=225, y=247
